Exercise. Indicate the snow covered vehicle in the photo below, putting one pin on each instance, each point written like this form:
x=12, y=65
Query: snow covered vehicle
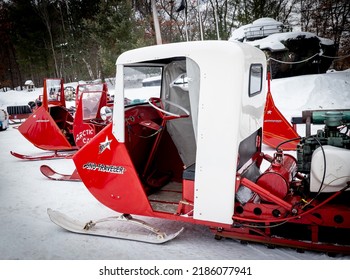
x=52, y=127
x=193, y=153
x=18, y=113
x=4, y=120
x=290, y=53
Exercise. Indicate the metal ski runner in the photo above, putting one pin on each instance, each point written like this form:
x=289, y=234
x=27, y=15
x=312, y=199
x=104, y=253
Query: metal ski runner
x=44, y=156
x=89, y=228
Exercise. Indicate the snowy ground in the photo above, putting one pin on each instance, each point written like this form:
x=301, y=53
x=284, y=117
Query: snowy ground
x=25, y=194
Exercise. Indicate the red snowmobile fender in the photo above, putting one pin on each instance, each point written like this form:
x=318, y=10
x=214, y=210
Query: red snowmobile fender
x=107, y=171
x=276, y=128
x=42, y=131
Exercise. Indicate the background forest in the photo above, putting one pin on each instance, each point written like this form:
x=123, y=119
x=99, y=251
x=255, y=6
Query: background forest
x=81, y=39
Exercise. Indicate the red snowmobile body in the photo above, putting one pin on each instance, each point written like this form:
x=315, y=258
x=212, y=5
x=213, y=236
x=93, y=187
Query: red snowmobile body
x=193, y=152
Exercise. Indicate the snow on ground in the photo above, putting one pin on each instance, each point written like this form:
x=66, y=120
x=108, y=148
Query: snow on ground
x=25, y=194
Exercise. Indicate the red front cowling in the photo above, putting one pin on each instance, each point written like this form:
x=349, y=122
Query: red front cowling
x=43, y=131
x=277, y=178
x=107, y=171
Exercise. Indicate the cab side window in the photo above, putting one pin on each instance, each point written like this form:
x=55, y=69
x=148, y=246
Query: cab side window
x=255, y=79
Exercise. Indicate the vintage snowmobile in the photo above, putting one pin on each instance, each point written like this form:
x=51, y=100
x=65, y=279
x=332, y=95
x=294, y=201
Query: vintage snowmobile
x=49, y=126
x=52, y=127
x=193, y=153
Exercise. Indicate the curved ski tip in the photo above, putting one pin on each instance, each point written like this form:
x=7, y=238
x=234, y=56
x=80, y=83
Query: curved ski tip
x=47, y=171
x=52, y=214
x=49, y=211
x=15, y=154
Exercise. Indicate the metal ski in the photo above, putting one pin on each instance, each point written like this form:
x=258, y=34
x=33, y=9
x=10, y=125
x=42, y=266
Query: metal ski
x=44, y=156
x=53, y=175
x=89, y=228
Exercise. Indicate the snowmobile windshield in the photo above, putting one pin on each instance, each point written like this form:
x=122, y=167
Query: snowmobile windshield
x=53, y=89
x=91, y=101
x=141, y=83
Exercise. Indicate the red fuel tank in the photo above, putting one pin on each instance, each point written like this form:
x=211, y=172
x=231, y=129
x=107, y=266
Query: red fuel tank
x=277, y=178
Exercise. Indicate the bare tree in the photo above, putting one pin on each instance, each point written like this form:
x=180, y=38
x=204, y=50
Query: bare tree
x=329, y=19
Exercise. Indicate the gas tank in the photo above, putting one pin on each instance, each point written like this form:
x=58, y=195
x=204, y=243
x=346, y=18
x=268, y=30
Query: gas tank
x=277, y=178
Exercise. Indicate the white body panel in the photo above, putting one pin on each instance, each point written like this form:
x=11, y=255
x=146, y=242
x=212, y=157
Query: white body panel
x=337, y=169
x=223, y=117
x=118, y=115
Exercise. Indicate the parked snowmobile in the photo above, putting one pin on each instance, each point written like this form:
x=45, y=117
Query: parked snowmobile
x=193, y=153
x=52, y=127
